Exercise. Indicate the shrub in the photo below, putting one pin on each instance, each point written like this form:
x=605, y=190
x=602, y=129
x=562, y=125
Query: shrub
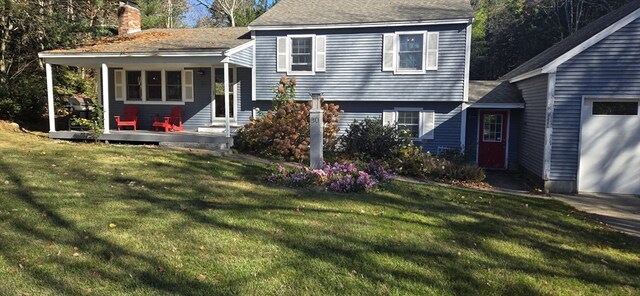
x=369, y=139
x=284, y=132
x=338, y=177
x=439, y=168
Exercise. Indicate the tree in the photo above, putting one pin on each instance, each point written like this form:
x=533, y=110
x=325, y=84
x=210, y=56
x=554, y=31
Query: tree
x=162, y=13
x=235, y=12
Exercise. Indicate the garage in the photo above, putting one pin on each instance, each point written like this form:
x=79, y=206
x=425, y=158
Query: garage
x=610, y=146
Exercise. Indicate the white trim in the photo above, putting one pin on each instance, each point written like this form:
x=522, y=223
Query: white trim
x=313, y=55
x=254, y=71
x=105, y=97
x=497, y=105
x=467, y=64
x=239, y=48
x=48, y=55
x=553, y=65
x=362, y=25
x=371, y=100
x=226, y=100
x=548, y=132
x=396, y=68
x=463, y=127
x=525, y=76
x=50, y=99
x=170, y=103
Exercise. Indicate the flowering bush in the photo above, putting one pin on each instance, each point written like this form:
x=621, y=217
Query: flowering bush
x=284, y=132
x=338, y=177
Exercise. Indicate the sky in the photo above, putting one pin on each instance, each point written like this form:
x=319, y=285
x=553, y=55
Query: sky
x=194, y=12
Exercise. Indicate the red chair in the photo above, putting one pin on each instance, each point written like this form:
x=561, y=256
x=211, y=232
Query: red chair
x=130, y=118
x=172, y=122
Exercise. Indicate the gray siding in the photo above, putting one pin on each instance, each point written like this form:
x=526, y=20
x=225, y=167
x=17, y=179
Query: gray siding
x=354, y=67
x=609, y=68
x=447, y=118
x=534, y=92
x=243, y=58
x=245, y=104
x=194, y=115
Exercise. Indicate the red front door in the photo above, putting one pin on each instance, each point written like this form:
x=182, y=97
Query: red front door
x=492, y=144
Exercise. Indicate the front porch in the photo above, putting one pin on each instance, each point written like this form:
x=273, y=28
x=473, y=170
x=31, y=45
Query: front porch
x=200, y=139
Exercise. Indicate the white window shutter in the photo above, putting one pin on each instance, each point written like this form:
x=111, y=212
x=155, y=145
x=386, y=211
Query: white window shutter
x=427, y=126
x=388, y=52
x=432, y=50
x=187, y=86
x=118, y=82
x=321, y=53
x=281, y=48
x=388, y=117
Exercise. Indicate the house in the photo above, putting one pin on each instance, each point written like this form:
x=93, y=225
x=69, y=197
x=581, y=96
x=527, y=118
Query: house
x=580, y=126
x=404, y=60
x=568, y=117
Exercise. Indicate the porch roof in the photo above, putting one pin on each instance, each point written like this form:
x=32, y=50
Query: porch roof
x=488, y=92
x=159, y=41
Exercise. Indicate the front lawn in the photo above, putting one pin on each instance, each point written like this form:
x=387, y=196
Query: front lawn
x=105, y=220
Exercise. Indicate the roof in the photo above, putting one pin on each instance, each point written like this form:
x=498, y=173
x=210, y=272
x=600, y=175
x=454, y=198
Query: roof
x=328, y=12
x=493, y=92
x=574, y=40
x=157, y=40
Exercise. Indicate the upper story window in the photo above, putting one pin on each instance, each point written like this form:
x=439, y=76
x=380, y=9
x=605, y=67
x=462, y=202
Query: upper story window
x=301, y=54
x=153, y=86
x=410, y=52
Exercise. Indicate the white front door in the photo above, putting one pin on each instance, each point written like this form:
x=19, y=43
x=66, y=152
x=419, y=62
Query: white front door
x=610, y=146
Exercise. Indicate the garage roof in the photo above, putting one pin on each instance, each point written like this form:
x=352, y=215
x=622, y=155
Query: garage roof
x=328, y=12
x=574, y=40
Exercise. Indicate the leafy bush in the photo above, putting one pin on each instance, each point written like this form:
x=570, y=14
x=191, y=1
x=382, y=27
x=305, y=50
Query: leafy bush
x=338, y=177
x=284, y=133
x=369, y=139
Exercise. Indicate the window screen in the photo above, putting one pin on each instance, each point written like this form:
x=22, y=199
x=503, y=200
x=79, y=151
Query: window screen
x=410, y=122
x=154, y=85
x=301, y=51
x=134, y=83
x=411, y=52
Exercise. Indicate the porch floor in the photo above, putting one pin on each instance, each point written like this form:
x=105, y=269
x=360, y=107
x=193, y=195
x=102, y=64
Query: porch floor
x=144, y=136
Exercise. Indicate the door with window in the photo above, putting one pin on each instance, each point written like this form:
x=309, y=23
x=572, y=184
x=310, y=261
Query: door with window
x=218, y=94
x=492, y=141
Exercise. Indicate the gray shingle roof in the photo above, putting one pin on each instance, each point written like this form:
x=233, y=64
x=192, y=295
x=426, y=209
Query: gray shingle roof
x=157, y=40
x=574, y=40
x=327, y=12
x=493, y=92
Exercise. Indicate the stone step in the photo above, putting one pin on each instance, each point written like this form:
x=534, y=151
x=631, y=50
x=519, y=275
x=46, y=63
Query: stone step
x=215, y=148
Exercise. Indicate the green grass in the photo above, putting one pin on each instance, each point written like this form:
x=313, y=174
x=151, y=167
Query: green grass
x=181, y=215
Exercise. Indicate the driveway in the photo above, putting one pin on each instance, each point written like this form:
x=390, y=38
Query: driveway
x=620, y=212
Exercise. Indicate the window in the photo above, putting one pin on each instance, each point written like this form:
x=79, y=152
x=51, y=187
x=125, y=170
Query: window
x=615, y=108
x=301, y=54
x=410, y=122
x=154, y=85
x=174, y=85
x=219, y=93
x=410, y=52
x=492, y=128
x=134, y=83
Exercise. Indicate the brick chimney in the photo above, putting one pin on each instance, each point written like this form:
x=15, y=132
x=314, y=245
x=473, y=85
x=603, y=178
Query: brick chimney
x=129, y=19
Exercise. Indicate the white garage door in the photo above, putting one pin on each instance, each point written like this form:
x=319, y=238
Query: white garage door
x=610, y=147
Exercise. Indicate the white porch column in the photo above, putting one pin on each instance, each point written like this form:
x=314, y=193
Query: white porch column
x=105, y=96
x=226, y=99
x=50, y=101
